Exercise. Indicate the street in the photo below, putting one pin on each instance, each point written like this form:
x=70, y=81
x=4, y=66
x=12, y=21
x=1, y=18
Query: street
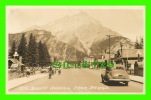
x=76, y=81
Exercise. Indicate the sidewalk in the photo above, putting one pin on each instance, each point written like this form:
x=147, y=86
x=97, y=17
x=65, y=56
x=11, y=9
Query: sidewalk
x=138, y=79
x=19, y=81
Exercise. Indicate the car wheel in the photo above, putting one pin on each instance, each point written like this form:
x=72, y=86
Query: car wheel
x=126, y=83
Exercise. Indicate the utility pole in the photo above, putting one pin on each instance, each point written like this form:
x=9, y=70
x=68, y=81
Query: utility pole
x=109, y=47
x=121, y=45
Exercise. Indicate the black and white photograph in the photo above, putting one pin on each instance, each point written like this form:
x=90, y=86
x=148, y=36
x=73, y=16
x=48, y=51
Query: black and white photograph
x=75, y=49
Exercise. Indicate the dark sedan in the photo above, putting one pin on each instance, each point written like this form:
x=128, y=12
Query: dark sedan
x=116, y=74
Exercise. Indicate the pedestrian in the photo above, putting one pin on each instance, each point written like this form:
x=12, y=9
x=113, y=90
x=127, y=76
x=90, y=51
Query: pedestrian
x=28, y=72
x=131, y=68
x=59, y=71
x=34, y=69
x=50, y=72
x=135, y=68
x=53, y=72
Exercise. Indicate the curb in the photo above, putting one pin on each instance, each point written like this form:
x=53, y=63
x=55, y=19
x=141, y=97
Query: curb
x=137, y=81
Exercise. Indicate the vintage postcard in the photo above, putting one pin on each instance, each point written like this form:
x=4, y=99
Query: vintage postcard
x=75, y=49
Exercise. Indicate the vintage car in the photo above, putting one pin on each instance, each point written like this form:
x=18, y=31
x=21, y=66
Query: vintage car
x=116, y=74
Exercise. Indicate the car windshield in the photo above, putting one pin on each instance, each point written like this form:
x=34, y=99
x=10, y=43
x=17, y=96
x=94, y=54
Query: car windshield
x=119, y=68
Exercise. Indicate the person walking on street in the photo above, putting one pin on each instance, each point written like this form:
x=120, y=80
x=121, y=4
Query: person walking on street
x=28, y=72
x=34, y=69
x=50, y=72
x=59, y=71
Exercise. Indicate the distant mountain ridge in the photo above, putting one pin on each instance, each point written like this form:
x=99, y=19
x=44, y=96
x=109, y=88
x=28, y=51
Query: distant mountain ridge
x=70, y=35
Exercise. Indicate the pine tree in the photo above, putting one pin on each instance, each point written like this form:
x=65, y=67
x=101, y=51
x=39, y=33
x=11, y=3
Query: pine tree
x=44, y=57
x=32, y=51
x=40, y=53
x=22, y=49
x=137, y=46
x=13, y=48
x=141, y=43
x=35, y=53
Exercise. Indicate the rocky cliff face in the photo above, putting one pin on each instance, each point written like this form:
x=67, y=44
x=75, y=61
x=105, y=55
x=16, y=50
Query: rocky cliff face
x=74, y=37
x=102, y=46
x=62, y=51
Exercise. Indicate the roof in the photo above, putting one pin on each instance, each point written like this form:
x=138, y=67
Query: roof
x=15, y=61
x=131, y=53
x=14, y=65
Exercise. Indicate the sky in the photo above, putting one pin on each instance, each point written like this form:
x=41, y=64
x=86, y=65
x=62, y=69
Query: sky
x=126, y=20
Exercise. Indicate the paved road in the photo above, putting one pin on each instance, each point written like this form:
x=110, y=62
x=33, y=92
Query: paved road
x=76, y=81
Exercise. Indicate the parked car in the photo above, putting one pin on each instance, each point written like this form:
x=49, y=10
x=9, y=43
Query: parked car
x=44, y=70
x=116, y=74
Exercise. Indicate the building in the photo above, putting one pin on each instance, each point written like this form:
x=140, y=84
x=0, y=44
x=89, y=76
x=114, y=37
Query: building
x=129, y=57
x=131, y=54
x=14, y=63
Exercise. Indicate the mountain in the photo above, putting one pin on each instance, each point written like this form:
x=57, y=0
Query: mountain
x=79, y=26
x=75, y=36
x=56, y=48
x=102, y=46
